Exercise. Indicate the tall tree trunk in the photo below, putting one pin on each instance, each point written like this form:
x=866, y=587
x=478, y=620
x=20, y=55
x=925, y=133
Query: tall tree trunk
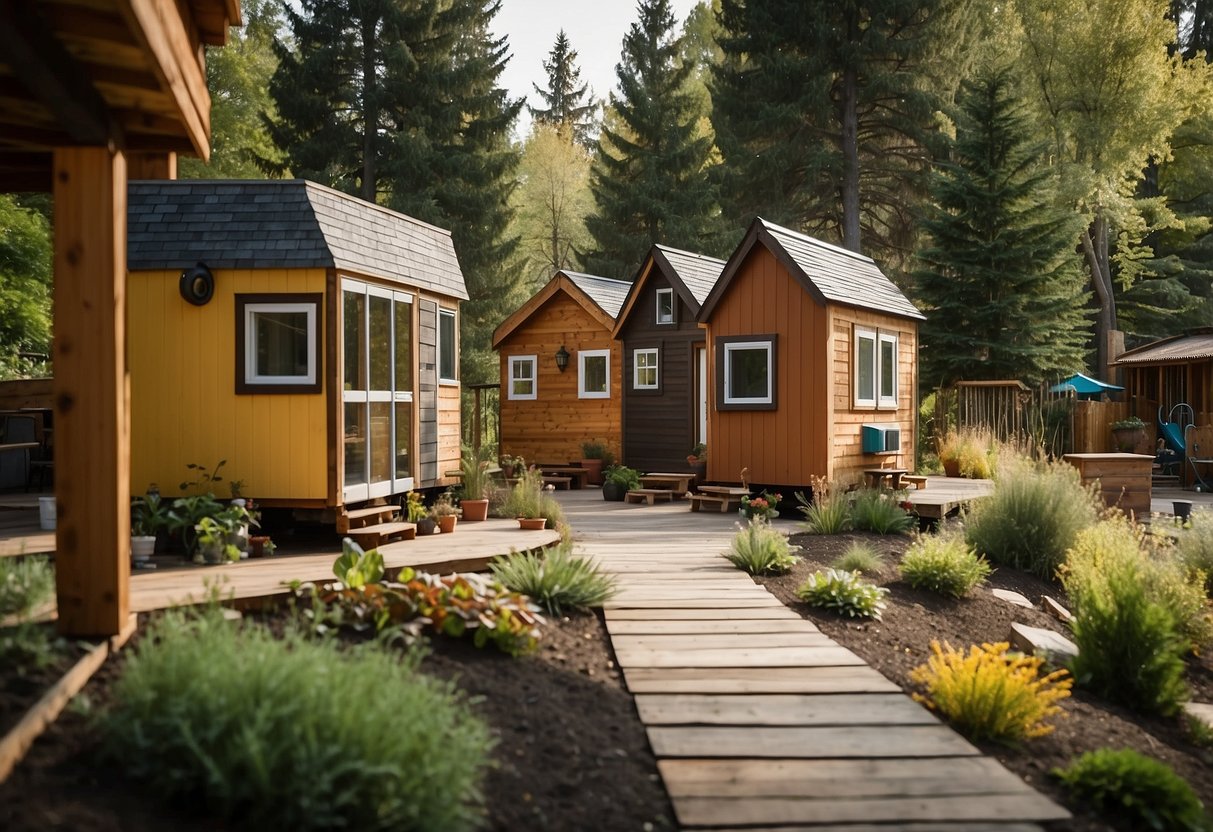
x=850, y=145
x=370, y=109
x=1095, y=249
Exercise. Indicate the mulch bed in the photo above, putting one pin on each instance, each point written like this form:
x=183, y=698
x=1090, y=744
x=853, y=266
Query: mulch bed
x=901, y=640
x=20, y=690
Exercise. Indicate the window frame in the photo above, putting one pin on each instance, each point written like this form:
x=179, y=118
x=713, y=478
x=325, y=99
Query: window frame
x=513, y=396
x=246, y=378
x=582, y=355
x=454, y=377
x=655, y=352
x=673, y=307
x=884, y=402
x=878, y=338
x=725, y=346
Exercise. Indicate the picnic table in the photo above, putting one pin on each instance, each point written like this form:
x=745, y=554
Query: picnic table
x=874, y=476
x=724, y=497
x=576, y=473
x=680, y=484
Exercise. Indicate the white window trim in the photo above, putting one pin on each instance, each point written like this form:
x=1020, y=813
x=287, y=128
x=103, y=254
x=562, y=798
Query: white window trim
x=533, y=360
x=884, y=401
x=636, y=368
x=673, y=314
x=250, y=343
x=862, y=334
x=455, y=347
x=582, y=393
x=732, y=346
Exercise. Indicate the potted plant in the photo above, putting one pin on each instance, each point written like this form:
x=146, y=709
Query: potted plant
x=698, y=460
x=618, y=480
x=594, y=457
x=185, y=514
x=149, y=515
x=414, y=506
x=761, y=507
x=1129, y=434
x=526, y=500
x=445, y=513
x=474, y=470
x=512, y=466
x=214, y=535
x=260, y=545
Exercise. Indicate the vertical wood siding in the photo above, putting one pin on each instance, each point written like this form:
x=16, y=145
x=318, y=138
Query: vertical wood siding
x=448, y=427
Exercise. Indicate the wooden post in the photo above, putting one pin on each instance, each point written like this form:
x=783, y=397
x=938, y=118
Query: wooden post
x=92, y=392
x=148, y=165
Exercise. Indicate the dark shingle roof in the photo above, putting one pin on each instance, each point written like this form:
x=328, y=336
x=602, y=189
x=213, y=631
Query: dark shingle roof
x=263, y=224
x=607, y=293
x=697, y=272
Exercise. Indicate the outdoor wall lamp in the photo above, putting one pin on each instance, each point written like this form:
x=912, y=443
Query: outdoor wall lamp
x=562, y=358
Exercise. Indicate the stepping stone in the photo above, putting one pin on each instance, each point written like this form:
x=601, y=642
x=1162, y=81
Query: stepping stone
x=1013, y=597
x=1055, y=609
x=1056, y=648
x=1200, y=711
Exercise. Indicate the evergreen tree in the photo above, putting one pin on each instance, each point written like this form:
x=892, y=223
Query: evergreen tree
x=650, y=179
x=569, y=106
x=1002, y=289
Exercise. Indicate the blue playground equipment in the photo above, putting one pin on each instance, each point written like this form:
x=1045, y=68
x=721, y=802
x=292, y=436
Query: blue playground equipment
x=1174, y=432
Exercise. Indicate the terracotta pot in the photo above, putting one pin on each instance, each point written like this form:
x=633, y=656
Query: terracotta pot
x=475, y=510
x=1128, y=440
x=532, y=523
x=594, y=466
x=256, y=545
x=951, y=467
x=446, y=523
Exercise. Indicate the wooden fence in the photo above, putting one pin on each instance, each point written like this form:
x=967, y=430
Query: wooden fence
x=27, y=393
x=1093, y=426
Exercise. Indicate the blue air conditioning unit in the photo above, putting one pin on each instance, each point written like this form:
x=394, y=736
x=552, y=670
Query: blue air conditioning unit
x=881, y=439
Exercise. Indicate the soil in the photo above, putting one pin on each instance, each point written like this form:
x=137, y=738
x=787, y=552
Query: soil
x=900, y=642
x=22, y=687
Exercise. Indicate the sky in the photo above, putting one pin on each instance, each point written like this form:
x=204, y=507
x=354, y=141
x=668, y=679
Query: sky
x=595, y=29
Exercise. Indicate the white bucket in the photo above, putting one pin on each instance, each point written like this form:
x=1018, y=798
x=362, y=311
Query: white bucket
x=46, y=513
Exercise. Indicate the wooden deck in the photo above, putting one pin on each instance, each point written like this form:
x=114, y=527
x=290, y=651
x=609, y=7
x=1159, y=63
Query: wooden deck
x=758, y=719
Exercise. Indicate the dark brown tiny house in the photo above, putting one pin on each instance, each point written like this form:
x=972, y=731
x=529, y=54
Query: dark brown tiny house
x=665, y=404
x=813, y=357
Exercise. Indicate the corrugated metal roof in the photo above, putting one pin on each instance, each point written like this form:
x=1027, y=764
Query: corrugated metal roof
x=1196, y=347
x=609, y=294
x=698, y=272
x=293, y=223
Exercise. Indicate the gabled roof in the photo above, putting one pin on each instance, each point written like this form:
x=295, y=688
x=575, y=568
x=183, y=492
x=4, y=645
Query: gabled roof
x=293, y=223
x=1194, y=346
x=601, y=297
x=829, y=273
x=692, y=276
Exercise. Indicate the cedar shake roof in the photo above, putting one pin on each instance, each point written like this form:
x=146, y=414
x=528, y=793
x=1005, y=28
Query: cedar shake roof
x=600, y=297
x=1195, y=346
x=697, y=272
x=829, y=273
x=284, y=224
x=609, y=294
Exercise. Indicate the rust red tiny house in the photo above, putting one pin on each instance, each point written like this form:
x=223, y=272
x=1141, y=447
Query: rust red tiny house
x=807, y=344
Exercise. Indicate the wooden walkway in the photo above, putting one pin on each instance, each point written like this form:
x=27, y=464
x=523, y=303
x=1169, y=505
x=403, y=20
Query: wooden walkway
x=759, y=720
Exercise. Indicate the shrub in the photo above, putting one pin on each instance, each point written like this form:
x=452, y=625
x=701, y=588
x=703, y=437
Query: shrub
x=879, y=512
x=943, y=563
x=1133, y=788
x=1032, y=517
x=991, y=694
x=828, y=513
x=525, y=498
x=25, y=584
x=1194, y=548
x=760, y=550
x=1130, y=650
x=292, y=734
x=556, y=579
x=860, y=557
x=623, y=477
x=844, y=593
x=969, y=452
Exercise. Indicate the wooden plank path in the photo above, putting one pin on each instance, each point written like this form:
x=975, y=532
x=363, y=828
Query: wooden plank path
x=760, y=721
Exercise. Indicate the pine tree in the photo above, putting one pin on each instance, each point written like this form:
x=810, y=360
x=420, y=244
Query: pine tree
x=1002, y=289
x=568, y=107
x=650, y=179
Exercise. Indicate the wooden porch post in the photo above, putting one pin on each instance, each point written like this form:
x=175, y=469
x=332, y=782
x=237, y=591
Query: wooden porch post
x=92, y=392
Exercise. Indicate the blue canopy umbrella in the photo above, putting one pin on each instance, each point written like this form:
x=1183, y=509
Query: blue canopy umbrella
x=1085, y=386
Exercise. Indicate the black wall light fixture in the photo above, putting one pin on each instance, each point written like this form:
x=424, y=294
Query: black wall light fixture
x=197, y=285
x=562, y=358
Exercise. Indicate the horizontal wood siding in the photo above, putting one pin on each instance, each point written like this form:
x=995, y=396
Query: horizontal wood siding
x=788, y=445
x=184, y=408
x=552, y=427
x=847, y=460
x=659, y=427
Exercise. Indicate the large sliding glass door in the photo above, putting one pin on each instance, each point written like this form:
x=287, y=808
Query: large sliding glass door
x=377, y=390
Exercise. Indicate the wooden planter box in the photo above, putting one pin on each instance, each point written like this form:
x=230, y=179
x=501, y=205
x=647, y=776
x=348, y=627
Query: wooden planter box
x=1124, y=479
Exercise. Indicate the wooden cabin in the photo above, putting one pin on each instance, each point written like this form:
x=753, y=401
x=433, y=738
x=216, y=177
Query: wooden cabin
x=561, y=371
x=813, y=370
x=94, y=92
x=1169, y=372
x=665, y=393
x=306, y=336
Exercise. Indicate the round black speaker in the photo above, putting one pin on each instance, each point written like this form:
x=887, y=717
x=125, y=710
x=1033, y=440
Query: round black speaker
x=198, y=285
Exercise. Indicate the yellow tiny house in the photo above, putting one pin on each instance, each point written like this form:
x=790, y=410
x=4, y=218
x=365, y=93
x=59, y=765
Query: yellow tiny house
x=307, y=337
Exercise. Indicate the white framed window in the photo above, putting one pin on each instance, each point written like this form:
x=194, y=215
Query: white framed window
x=748, y=370
x=277, y=340
x=875, y=368
x=644, y=369
x=448, y=362
x=887, y=371
x=593, y=374
x=665, y=306
x=523, y=382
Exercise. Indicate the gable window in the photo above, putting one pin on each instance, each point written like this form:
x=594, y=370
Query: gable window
x=448, y=368
x=522, y=377
x=665, y=306
x=875, y=368
x=746, y=372
x=276, y=343
x=644, y=369
x=594, y=374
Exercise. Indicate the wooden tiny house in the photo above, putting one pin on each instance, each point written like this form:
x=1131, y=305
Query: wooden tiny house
x=812, y=356
x=548, y=411
x=321, y=362
x=665, y=400
x=1168, y=372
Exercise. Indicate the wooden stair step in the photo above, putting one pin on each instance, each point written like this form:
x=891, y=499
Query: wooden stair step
x=371, y=536
x=361, y=517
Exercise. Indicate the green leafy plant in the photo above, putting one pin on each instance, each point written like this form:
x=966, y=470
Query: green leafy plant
x=761, y=507
x=859, y=557
x=25, y=584
x=1033, y=516
x=991, y=693
x=1131, y=423
x=186, y=513
x=1136, y=790
x=214, y=536
x=595, y=449
x=876, y=511
x=557, y=579
x=293, y=734
x=414, y=507
x=760, y=550
x=699, y=453
x=943, y=563
x=623, y=477
x=357, y=568
x=845, y=593
x=204, y=477
x=149, y=515
x=827, y=513
x=474, y=472
x=525, y=499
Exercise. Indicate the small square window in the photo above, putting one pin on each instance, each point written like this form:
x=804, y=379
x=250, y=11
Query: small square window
x=644, y=369
x=522, y=377
x=276, y=343
x=594, y=374
x=448, y=367
x=665, y=306
x=746, y=372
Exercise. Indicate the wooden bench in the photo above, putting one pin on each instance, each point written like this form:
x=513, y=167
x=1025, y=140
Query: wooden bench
x=724, y=502
x=918, y=481
x=371, y=537
x=648, y=495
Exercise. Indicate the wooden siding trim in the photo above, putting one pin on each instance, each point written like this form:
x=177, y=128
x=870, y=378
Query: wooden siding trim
x=559, y=283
